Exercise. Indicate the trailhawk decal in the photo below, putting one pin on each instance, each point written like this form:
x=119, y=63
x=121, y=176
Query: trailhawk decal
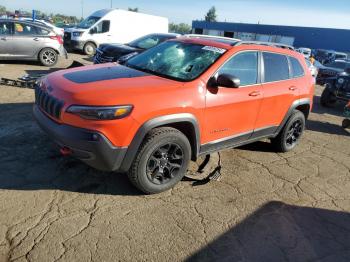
x=104, y=73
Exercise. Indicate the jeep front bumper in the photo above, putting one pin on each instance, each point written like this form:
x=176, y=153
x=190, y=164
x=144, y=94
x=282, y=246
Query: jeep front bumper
x=91, y=147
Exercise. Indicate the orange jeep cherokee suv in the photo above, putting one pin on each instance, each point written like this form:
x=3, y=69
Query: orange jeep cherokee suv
x=184, y=98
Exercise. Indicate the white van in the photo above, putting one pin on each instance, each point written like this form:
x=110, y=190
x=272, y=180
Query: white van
x=112, y=26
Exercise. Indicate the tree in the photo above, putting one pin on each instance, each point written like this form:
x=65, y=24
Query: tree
x=2, y=9
x=211, y=15
x=136, y=9
x=180, y=28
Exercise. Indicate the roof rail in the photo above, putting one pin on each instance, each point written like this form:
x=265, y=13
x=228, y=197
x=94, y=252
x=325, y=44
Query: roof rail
x=212, y=36
x=280, y=45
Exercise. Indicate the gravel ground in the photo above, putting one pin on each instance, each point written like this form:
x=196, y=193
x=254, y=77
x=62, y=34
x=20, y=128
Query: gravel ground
x=265, y=207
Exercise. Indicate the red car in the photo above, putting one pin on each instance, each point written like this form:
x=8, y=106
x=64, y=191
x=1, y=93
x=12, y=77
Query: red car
x=181, y=99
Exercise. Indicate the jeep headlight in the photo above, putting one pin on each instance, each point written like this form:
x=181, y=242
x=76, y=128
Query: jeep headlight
x=341, y=80
x=100, y=112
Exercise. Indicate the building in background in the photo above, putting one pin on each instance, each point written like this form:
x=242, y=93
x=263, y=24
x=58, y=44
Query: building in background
x=314, y=38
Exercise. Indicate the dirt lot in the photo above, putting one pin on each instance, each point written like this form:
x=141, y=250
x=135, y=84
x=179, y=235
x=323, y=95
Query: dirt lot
x=266, y=206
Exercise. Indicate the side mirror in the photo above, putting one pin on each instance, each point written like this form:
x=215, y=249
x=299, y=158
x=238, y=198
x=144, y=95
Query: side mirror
x=227, y=80
x=92, y=31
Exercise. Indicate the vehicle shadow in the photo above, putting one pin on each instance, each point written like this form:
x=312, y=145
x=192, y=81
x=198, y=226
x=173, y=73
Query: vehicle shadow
x=281, y=232
x=325, y=127
x=336, y=110
x=20, y=62
x=29, y=160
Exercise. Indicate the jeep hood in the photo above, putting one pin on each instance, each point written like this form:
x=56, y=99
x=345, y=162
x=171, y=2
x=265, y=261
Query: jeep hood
x=105, y=84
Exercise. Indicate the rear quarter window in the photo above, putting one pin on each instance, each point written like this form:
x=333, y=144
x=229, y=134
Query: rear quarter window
x=276, y=67
x=297, y=69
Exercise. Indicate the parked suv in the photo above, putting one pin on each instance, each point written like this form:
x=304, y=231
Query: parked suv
x=25, y=40
x=172, y=103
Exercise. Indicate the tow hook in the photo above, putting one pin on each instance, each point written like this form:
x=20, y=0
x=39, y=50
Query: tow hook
x=65, y=151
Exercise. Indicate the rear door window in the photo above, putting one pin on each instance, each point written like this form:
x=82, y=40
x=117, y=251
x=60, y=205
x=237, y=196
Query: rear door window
x=297, y=69
x=276, y=67
x=244, y=66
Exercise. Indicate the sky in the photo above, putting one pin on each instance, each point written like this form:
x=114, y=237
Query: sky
x=314, y=13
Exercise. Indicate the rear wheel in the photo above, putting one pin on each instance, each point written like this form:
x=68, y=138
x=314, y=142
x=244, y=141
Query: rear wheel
x=327, y=98
x=291, y=133
x=161, y=161
x=48, y=57
x=89, y=49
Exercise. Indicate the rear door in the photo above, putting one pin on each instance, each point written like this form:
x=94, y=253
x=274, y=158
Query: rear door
x=280, y=91
x=5, y=39
x=231, y=113
x=26, y=40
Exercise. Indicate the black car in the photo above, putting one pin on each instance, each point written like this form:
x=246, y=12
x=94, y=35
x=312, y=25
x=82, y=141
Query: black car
x=106, y=53
x=337, y=89
x=331, y=70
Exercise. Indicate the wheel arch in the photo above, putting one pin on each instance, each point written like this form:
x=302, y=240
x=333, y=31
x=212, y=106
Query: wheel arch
x=303, y=105
x=185, y=123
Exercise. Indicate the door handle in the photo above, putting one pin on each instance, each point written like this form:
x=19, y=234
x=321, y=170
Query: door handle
x=3, y=38
x=293, y=88
x=254, y=93
x=36, y=39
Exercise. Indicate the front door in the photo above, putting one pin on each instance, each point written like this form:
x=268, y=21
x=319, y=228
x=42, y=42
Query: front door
x=101, y=32
x=5, y=39
x=231, y=113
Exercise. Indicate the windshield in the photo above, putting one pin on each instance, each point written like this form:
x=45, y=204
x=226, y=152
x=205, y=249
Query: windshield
x=177, y=60
x=88, y=22
x=340, y=65
x=147, y=41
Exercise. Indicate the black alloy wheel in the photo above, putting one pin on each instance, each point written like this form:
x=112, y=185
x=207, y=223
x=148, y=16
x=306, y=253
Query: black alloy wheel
x=165, y=163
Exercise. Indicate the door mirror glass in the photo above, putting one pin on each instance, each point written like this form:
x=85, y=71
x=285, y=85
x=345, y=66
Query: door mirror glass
x=227, y=80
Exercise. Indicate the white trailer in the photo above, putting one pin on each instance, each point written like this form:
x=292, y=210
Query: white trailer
x=112, y=26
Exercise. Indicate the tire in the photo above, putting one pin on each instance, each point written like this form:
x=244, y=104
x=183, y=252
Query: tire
x=48, y=57
x=346, y=123
x=327, y=97
x=291, y=133
x=89, y=49
x=160, y=151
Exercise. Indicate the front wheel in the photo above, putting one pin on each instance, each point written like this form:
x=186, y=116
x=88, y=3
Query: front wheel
x=291, y=133
x=161, y=161
x=90, y=49
x=48, y=57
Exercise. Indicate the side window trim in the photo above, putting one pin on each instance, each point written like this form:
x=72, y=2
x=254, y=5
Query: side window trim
x=258, y=82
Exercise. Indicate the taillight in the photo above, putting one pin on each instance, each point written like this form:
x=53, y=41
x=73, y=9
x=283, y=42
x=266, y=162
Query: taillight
x=58, y=38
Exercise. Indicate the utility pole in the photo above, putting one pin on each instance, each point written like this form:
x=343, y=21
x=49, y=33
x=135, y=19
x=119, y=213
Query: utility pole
x=82, y=8
x=111, y=3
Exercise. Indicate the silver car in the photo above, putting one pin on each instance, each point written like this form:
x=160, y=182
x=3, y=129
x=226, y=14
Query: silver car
x=25, y=40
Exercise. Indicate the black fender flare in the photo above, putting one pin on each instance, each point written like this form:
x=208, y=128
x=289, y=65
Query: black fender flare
x=158, y=122
x=295, y=104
